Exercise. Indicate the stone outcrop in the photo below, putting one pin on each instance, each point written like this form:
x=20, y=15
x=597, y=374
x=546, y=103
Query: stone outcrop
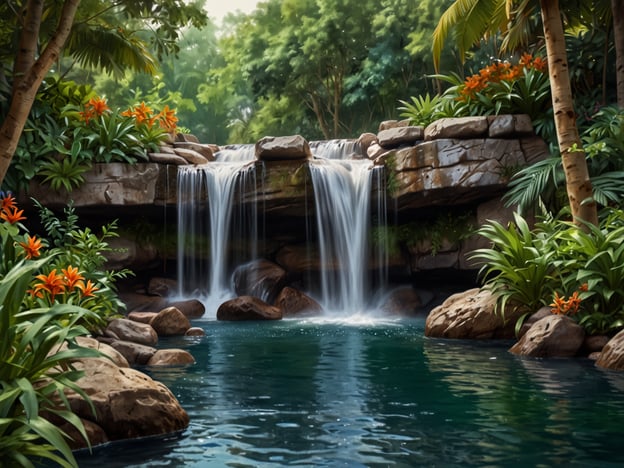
x=471, y=314
x=128, y=404
x=283, y=147
x=169, y=322
x=260, y=278
x=612, y=355
x=171, y=357
x=128, y=330
x=551, y=336
x=247, y=308
x=291, y=301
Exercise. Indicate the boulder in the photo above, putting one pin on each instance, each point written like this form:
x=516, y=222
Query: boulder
x=128, y=330
x=260, y=278
x=400, y=136
x=167, y=158
x=191, y=156
x=141, y=317
x=551, y=336
x=612, y=355
x=171, y=357
x=387, y=124
x=128, y=404
x=195, y=331
x=207, y=151
x=170, y=322
x=291, y=301
x=191, y=308
x=136, y=354
x=281, y=148
x=508, y=126
x=115, y=356
x=247, y=308
x=457, y=127
x=365, y=140
x=471, y=314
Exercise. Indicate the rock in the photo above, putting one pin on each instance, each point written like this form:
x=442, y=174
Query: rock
x=531, y=319
x=167, y=158
x=457, y=127
x=195, y=331
x=612, y=355
x=141, y=317
x=170, y=322
x=138, y=302
x=135, y=353
x=162, y=286
x=95, y=433
x=508, y=126
x=387, y=124
x=187, y=137
x=551, y=336
x=117, y=357
x=205, y=150
x=128, y=404
x=128, y=253
x=191, y=308
x=401, y=301
x=191, y=156
x=374, y=151
x=136, y=332
x=281, y=148
x=365, y=140
x=259, y=278
x=400, y=136
x=470, y=314
x=291, y=301
x=171, y=357
x=247, y=308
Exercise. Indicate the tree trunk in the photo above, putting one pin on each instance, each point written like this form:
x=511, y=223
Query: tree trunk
x=31, y=77
x=617, y=9
x=578, y=184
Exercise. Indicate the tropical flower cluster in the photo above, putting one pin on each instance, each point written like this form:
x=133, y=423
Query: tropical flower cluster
x=95, y=107
x=143, y=114
x=500, y=71
x=58, y=280
x=569, y=306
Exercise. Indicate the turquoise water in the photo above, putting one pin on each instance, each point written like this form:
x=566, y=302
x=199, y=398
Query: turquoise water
x=308, y=393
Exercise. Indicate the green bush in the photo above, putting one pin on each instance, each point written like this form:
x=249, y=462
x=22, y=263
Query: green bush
x=556, y=263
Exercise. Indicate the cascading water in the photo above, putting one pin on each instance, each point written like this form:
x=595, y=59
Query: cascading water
x=206, y=197
x=342, y=201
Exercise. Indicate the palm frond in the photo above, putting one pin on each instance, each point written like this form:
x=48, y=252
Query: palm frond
x=111, y=50
x=533, y=183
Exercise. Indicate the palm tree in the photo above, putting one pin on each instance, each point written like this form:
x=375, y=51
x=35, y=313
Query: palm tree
x=474, y=19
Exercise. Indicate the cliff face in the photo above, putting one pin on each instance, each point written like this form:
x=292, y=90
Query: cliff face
x=455, y=168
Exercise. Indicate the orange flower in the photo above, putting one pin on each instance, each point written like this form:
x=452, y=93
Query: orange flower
x=584, y=287
x=526, y=59
x=87, y=289
x=142, y=112
x=31, y=247
x=12, y=215
x=52, y=283
x=72, y=277
x=167, y=118
x=573, y=303
x=540, y=64
x=558, y=305
x=8, y=202
x=98, y=105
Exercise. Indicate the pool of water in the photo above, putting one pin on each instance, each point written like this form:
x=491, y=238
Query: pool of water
x=376, y=393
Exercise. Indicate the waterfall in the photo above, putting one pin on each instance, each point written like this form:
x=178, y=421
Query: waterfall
x=207, y=195
x=336, y=149
x=342, y=200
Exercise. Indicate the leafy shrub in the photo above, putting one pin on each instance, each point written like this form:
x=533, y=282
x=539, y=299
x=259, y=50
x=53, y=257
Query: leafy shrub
x=558, y=264
x=47, y=300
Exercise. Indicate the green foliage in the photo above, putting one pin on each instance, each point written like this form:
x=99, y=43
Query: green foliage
x=596, y=258
x=519, y=267
x=36, y=351
x=65, y=173
x=555, y=259
x=542, y=183
x=422, y=110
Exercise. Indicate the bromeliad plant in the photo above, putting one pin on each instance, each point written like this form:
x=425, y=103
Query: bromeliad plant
x=577, y=273
x=44, y=308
